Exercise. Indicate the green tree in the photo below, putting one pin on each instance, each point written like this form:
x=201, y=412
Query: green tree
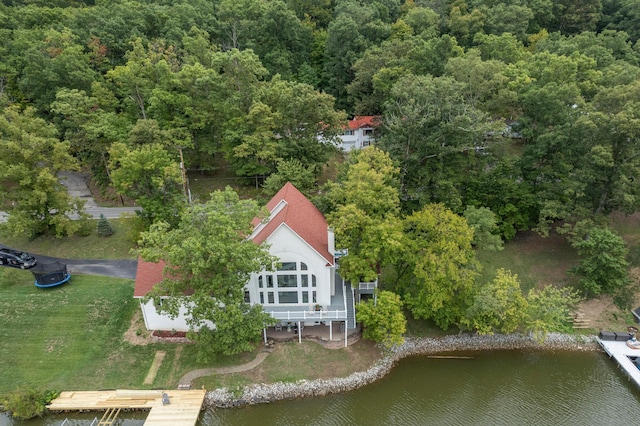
x=499, y=306
x=548, y=310
x=365, y=219
x=483, y=222
x=294, y=171
x=437, y=267
x=209, y=257
x=104, y=227
x=433, y=133
x=603, y=266
x=30, y=158
x=382, y=319
x=152, y=177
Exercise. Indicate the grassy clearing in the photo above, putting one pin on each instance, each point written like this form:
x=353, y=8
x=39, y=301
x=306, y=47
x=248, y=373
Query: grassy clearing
x=71, y=337
x=117, y=246
x=293, y=361
x=538, y=261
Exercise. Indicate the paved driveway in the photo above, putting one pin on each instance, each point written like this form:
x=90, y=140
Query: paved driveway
x=118, y=268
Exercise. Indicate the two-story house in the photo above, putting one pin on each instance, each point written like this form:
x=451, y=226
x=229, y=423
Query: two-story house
x=359, y=132
x=305, y=290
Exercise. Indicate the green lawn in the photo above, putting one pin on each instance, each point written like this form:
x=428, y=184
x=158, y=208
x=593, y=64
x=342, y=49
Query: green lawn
x=117, y=246
x=71, y=337
x=537, y=260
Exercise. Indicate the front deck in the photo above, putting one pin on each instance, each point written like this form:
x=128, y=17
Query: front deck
x=182, y=409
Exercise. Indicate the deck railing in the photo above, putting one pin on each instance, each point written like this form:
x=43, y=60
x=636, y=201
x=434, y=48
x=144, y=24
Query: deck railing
x=368, y=286
x=309, y=315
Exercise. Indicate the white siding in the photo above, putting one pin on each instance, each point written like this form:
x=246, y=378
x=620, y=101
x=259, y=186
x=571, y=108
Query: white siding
x=289, y=247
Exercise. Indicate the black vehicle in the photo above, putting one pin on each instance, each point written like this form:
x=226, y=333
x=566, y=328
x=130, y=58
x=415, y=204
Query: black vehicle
x=17, y=259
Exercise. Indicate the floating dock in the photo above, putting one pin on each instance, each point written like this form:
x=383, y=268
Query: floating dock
x=170, y=407
x=624, y=355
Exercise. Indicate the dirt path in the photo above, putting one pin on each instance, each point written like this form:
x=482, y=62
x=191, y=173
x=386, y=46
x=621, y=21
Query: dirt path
x=185, y=381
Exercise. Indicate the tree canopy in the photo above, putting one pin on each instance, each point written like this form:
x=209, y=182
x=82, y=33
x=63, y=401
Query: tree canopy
x=208, y=262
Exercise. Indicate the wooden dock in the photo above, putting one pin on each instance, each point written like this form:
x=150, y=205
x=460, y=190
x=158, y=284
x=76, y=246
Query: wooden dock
x=624, y=355
x=182, y=409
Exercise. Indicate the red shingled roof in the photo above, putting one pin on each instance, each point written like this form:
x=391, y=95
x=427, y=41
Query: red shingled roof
x=148, y=275
x=360, y=121
x=301, y=216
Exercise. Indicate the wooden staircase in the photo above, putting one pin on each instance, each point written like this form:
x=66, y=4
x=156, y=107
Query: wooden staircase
x=579, y=321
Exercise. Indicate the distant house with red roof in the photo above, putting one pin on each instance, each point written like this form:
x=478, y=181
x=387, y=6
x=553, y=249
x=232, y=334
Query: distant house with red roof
x=359, y=132
x=304, y=290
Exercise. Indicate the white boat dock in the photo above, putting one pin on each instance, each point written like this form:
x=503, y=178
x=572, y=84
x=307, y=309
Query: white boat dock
x=622, y=354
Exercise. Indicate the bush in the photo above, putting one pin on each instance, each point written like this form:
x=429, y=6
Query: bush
x=85, y=227
x=104, y=227
x=28, y=403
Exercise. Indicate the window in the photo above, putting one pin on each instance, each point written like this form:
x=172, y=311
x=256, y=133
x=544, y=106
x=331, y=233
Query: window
x=287, y=266
x=348, y=132
x=290, y=282
x=288, y=296
x=287, y=281
x=247, y=297
x=368, y=132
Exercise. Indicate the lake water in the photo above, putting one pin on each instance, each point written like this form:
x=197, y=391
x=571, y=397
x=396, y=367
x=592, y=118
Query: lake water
x=493, y=388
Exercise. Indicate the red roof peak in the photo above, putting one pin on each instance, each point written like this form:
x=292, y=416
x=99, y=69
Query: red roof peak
x=360, y=121
x=301, y=216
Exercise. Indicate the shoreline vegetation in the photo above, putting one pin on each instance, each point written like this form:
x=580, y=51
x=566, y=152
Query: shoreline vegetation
x=266, y=393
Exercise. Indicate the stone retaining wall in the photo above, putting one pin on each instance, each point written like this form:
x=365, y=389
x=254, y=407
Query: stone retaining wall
x=265, y=393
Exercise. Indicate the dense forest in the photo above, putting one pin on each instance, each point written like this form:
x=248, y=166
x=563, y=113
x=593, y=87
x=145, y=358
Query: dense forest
x=526, y=109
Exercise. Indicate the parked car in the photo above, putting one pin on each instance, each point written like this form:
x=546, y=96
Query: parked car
x=17, y=259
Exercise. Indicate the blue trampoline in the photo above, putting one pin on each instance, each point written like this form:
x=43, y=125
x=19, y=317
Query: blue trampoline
x=50, y=274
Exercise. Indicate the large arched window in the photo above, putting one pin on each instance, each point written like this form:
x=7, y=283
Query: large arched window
x=292, y=283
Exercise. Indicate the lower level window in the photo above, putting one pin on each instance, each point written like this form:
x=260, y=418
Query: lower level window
x=288, y=296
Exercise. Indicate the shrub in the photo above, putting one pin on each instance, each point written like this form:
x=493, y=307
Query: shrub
x=104, y=227
x=28, y=403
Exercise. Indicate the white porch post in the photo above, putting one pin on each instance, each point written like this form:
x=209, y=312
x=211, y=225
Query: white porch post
x=330, y=330
x=299, y=333
x=264, y=332
x=345, y=334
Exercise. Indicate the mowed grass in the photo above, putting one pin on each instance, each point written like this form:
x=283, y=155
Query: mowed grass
x=116, y=246
x=72, y=337
x=292, y=361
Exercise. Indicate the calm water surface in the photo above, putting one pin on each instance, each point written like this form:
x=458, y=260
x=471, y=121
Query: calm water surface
x=494, y=388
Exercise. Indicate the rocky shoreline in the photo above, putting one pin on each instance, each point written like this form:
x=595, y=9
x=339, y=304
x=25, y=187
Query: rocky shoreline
x=266, y=393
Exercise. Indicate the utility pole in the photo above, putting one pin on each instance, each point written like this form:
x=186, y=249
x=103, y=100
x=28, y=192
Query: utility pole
x=185, y=182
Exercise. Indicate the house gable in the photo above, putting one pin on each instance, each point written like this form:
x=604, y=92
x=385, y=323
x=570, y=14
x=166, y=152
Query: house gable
x=294, y=210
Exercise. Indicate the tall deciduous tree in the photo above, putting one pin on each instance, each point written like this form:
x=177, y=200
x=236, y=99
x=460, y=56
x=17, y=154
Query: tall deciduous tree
x=210, y=257
x=30, y=158
x=365, y=219
x=383, y=319
x=151, y=176
x=603, y=265
x=437, y=268
x=499, y=306
x=433, y=133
